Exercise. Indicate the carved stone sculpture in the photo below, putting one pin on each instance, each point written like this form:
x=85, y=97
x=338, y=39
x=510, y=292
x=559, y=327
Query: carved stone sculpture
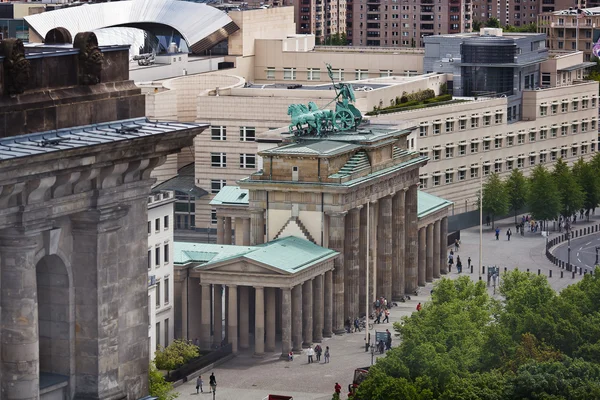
x=16, y=66
x=90, y=58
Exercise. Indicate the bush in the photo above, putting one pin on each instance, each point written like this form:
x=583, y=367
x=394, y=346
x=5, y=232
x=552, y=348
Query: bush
x=403, y=99
x=421, y=95
x=175, y=355
x=443, y=89
x=158, y=386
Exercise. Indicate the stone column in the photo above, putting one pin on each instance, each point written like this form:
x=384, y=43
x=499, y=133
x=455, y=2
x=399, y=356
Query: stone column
x=259, y=321
x=336, y=242
x=429, y=254
x=411, y=232
x=297, y=318
x=244, y=314
x=384, y=248
x=351, y=261
x=238, y=234
x=444, y=246
x=194, y=300
x=220, y=230
x=270, y=322
x=19, y=328
x=422, y=254
x=218, y=315
x=362, y=260
x=373, y=225
x=318, y=309
x=307, y=313
x=286, y=322
x=232, y=317
x=257, y=226
x=436, y=249
x=246, y=232
x=227, y=234
x=328, y=304
x=205, y=317
x=399, y=243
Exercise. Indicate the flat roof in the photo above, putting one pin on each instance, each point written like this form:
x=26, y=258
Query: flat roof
x=575, y=67
x=357, y=86
x=86, y=136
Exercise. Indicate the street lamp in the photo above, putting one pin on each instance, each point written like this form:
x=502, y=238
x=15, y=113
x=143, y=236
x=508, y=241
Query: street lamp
x=480, y=216
x=568, y=229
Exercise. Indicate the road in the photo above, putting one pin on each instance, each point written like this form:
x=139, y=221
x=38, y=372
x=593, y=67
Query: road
x=583, y=251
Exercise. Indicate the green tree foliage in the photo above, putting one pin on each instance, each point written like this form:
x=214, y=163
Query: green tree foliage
x=543, y=199
x=477, y=25
x=495, y=197
x=535, y=344
x=336, y=39
x=492, y=23
x=589, y=181
x=572, y=196
x=175, y=355
x=158, y=386
x=516, y=189
x=528, y=28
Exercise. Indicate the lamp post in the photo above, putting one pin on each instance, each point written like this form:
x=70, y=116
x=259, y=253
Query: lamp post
x=367, y=273
x=480, y=216
x=568, y=229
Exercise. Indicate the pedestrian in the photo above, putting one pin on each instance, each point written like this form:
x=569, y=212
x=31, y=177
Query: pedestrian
x=419, y=307
x=291, y=356
x=213, y=382
x=199, y=383
x=450, y=261
x=338, y=388
x=388, y=343
x=469, y=262
x=378, y=320
x=196, y=342
x=458, y=264
x=377, y=303
x=327, y=356
x=381, y=347
x=387, y=316
x=517, y=227
x=497, y=233
x=487, y=220
x=456, y=245
x=384, y=303
x=318, y=351
x=508, y=233
x=311, y=354
x=348, y=326
x=356, y=325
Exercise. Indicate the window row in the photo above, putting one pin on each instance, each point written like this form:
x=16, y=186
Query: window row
x=219, y=160
x=164, y=286
x=157, y=334
x=247, y=133
x=156, y=260
x=314, y=74
x=157, y=224
x=566, y=105
x=451, y=124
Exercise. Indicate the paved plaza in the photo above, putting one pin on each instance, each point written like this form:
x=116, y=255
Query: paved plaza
x=246, y=377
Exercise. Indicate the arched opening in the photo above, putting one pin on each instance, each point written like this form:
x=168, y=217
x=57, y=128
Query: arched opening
x=55, y=321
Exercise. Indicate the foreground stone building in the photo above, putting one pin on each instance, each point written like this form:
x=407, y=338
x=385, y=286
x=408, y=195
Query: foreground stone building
x=76, y=154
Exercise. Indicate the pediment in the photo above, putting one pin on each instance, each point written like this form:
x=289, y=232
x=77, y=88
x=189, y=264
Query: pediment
x=244, y=266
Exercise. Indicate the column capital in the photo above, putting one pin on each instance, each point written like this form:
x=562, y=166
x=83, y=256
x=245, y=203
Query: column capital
x=204, y=285
x=358, y=208
x=336, y=213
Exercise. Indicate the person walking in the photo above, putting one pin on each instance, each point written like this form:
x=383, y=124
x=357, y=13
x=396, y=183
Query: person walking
x=213, y=382
x=456, y=245
x=356, y=325
x=419, y=307
x=497, y=233
x=387, y=316
x=450, y=261
x=338, y=388
x=318, y=351
x=458, y=265
x=379, y=314
x=508, y=234
x=311, y=354
x=469, y=262
x=388, y=342
x=199, y=383
x=327, y=355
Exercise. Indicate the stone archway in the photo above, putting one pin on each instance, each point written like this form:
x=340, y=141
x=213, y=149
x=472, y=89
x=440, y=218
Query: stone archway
x=55, y=325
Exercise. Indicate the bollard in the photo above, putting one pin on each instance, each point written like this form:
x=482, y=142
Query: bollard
x=580, y=271
x=550, y=273
x=504, y=269
x=471, y=269
x=573, y=275
x=585, y=272
x=479, y=278
x=561, y=273
x=527, y=269
x=539, y=271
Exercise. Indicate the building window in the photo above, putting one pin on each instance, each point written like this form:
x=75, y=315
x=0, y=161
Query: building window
x=531, y=160
x=520, y=138
x=474, y=172
x=157, y=224
x=584, y=149
x=474, y=122
x=487, y=120
x=573, y=151
x=166, y=290
x=166, y=253
x=510, y=141
x=553, y=132
x=157, y=334
x=462, y=174
x=216, y=185
x=313, y=74
x=497, y=143
x=157, y=296
x=361, y=74
x=532, y=136
x=436, y=180
x=564, y=130
x=157, y=257
x=166, y=222
x=584, y=104
x=449, y=126
x=584, y=126
x=474, y=147
x=248, y=160
x=593, y=125
x=213, y=216
x=486, y=144
x=218, y=133
x=338, y=74
x=149, y=227
x=423, y=152
x=423, y=130
x=520, y=162
x=563, y=153
x=423, y=183
x=543, y=134
x=247, y=134
x=509, y=165
x=437, y=128
x=166, y=332
x=462, y=124
x=543, y=111
x=498, y=167
x=574, y=128
x=499, y=118
x=554, y=109
x=486, y=170
x=575, y=105
x=436, y=155
x=449, y=152
x=149, y=259
x=553, y=155
x=289, y=74
x=218, y=160
x=462, y=149
x=383, y=73
x=593, y=102
x=564, y=107
x=449, y=177
x=542, y=158
x=270, y=73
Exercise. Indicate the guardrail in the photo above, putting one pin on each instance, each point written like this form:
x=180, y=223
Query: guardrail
x=575, y=233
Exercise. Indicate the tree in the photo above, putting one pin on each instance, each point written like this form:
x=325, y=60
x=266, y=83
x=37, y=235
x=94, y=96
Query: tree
x=476, y=25
x=495, y=197
x=336, y=39
x=543, y=199
x=530, y=28
x=492, y=23
x=158, y=385
x=589, y=181
x=516, y=189
x=570, y=192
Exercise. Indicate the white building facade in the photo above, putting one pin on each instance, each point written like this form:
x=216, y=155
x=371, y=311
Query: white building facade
x=160, y=269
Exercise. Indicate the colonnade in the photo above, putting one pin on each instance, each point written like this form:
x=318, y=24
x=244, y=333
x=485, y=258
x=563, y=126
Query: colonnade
x=249, y=229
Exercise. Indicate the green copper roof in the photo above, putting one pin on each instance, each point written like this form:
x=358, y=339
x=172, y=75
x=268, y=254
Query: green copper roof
x=428, y=203
x=231, y=195
x=289, y=254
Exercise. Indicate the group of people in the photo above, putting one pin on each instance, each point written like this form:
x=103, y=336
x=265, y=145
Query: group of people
x=458, y=262
x=352, y=388
x=387, y=345
x=381, y=310
x=312, y=352
x=212, y=381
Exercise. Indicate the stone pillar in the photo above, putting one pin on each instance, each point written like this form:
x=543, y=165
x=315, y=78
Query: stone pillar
x=307, y=313
x=436, y=249
x=373, y=225
x=286, y=322
x=232, y=317
x=19, y=328
x=218, y=315
x=411, y=232
x=362, y=260
x=336, y=242
x=238, y=231
x=270, y=322
x=220, y=230
x=297, y=318
x=205, y=317
x=246, y=232
x=384, y=248
x=318, y=309
x=328, y=304
x=399, y=243
x=429, y=254
x=422, y=254
x=227, y=234
x=259, y=321
x=244, y=314
x=444, y=246
x=194, y=300
x=257, y=226
x=351, y=262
